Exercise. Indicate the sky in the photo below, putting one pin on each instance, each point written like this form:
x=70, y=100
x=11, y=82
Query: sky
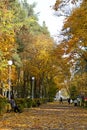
x=53, y=22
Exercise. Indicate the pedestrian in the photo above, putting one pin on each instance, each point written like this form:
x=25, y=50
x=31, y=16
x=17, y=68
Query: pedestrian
x=61, y=100
x=69, y=100
x=75, y=102
x=13, y=105
x=38, y=103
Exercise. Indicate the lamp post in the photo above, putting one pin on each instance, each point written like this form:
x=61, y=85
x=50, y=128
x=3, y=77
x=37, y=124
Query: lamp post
x=33, y=87
x=9, y=79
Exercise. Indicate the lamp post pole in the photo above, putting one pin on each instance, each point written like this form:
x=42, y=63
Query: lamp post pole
x=33, y=87
x=9, y=81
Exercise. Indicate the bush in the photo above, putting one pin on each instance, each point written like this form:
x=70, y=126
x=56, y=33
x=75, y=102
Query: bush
x=44, y=100
x=3, y=102
x=51, y=99
x=34, y=103
x=21, y=103
x=28, y=102
x=85, y=103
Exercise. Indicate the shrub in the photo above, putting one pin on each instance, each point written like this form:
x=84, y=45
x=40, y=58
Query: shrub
x=44, y=100
x=51, y=99
x=3, y=102
x=34, y=103
x=21, y=103
x=85, y=103
x=28, y=102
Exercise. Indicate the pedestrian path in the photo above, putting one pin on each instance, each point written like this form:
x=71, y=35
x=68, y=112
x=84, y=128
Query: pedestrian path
x=50, y=116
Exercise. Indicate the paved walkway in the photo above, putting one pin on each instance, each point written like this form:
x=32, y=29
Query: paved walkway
x=50, y=116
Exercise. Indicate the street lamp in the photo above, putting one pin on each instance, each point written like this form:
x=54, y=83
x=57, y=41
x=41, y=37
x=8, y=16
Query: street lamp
x=33, y=87
x=9, y=79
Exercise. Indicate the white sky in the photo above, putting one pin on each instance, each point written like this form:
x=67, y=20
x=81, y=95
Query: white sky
x=53, y=23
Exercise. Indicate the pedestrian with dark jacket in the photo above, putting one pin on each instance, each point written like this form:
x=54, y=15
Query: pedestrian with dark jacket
x=13, y=105
x=61, y=100
x=69, y=100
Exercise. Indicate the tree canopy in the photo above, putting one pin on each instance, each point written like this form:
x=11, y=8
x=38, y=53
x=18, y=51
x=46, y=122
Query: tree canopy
x=75, y=41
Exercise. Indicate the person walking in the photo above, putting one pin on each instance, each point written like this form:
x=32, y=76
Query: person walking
x=61, y=100
x=75, y=102
x=69, y=100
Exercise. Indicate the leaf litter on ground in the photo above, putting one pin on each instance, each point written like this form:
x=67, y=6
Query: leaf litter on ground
x=50, y=116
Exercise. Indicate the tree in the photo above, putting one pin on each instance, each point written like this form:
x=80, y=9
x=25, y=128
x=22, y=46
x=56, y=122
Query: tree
x=74, y=32
x=60, y=4
x=37, y=56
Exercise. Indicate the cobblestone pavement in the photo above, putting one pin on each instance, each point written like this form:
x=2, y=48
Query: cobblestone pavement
x=50, y=116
